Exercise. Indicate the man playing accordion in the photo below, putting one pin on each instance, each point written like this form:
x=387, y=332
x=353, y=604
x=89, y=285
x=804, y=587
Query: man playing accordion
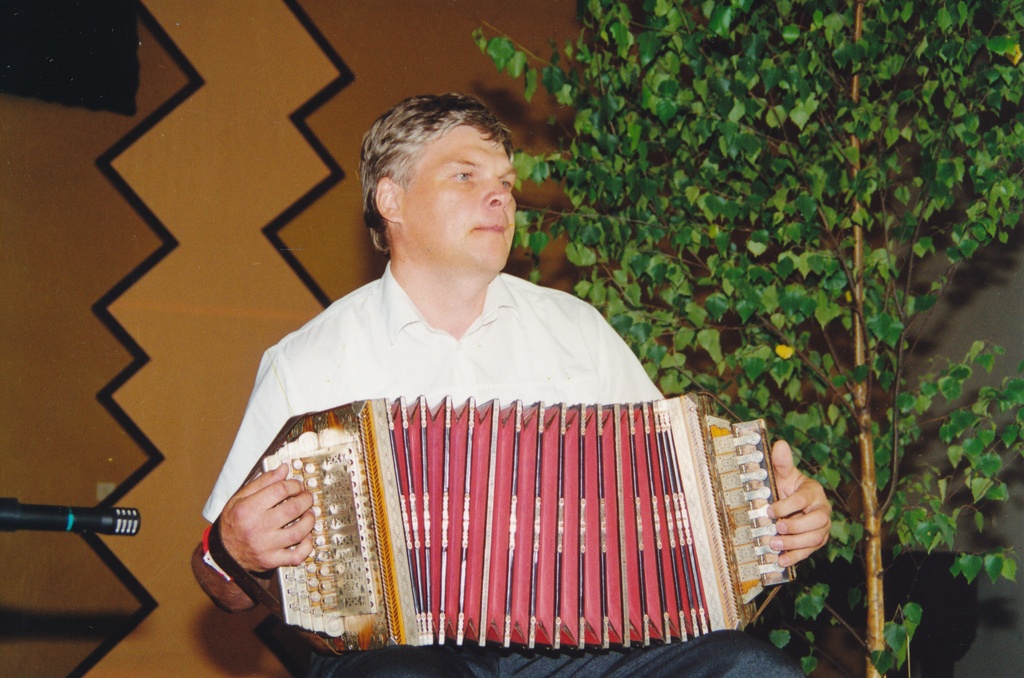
x=437, y=181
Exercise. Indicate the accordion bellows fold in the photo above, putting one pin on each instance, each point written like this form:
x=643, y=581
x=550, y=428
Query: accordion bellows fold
x=536, y=525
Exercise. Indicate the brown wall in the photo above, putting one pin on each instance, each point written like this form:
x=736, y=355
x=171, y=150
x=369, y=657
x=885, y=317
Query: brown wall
x=210, y=172
x=213, y=172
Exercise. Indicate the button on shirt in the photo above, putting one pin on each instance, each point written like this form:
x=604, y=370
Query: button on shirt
x=530, y=343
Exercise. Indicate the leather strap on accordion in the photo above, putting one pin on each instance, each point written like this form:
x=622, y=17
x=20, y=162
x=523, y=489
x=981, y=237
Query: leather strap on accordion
x=242, y=577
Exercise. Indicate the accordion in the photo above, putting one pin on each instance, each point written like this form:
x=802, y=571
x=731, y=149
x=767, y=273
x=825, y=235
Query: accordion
x=547, y=526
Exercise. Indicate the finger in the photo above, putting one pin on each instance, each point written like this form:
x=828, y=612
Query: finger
x=791, y=558
x=262, y=481
x=801, y=500
x=797, y=547
x=801, y=523
x=272, y=508
x=796, y=491
x=782, y=459
x=264, y=560
x=293, y=555
x=808, y=497
x=290, y=509
x=787, y=475
x=288, y=536
x=800, y=536
x=788, y=480
x=273, y=494
x=816, y=524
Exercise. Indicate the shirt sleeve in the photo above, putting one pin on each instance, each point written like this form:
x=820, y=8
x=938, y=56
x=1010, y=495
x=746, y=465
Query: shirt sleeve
x=267, y=411
x=622, y=375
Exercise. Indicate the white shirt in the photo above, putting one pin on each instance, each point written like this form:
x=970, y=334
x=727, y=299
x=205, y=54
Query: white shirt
x=530, y=343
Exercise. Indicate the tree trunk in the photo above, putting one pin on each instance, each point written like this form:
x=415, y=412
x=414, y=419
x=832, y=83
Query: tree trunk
x=862, y=402
x=872, y=540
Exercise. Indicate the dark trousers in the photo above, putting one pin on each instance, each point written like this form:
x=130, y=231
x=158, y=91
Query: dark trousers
x=723, y=653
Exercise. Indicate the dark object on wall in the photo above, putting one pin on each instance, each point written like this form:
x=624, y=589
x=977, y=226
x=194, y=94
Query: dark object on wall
x=951, y=611
x=72, y=52
x=950, y=618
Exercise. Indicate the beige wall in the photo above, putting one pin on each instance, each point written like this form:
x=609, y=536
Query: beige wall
x=214, y=172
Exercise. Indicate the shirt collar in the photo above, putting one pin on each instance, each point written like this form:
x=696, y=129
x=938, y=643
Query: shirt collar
x=400, y=312
x=499, y=296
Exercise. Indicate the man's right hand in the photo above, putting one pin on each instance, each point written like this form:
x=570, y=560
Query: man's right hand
x=267, y=523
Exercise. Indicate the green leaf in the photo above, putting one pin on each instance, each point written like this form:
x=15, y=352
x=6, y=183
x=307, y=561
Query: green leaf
x=852, y=155
x=886, y=328
x=979, y=488
x=826, y=310
x=913, y=613
x=1009, y=569
x=1013, y=391
x=622, y=37
x=779, y=638
x=501, y=50
x=754, y=367
x=756, y=248
x=802, y=112
x=516, y=64
x=944, y=19
x=1010, y=434
x=811, y=601
x=709, y=340
x=883, y=661
x=968, y=565
x=807, y=206
x=580, y=255
x=530, y=85
x=896, y=638
x=721, y=17
x=993, y=566
x=648, y=43
x=538, y=240
x=951, y=387
x=1001, y=44
x=737, y=112
x=716, y=306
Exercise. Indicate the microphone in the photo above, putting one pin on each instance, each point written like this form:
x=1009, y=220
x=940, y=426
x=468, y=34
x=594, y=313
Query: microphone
x=17, y=516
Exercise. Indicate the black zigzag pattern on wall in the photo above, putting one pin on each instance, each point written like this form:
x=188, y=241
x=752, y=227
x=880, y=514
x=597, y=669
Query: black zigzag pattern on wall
x=335, y=174
x=146, y=604
x=138, y=356
x=167, y=244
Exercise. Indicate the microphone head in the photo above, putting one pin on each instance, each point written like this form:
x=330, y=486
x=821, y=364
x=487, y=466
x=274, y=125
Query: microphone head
x=126, y=521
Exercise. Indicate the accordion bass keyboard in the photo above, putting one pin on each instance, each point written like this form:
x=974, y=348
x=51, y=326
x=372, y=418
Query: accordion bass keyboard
x=537, y=526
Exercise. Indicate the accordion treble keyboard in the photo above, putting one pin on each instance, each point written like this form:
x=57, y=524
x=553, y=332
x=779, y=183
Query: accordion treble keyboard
x=335, y=582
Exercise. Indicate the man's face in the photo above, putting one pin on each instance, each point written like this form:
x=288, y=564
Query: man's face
x=456, y=215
